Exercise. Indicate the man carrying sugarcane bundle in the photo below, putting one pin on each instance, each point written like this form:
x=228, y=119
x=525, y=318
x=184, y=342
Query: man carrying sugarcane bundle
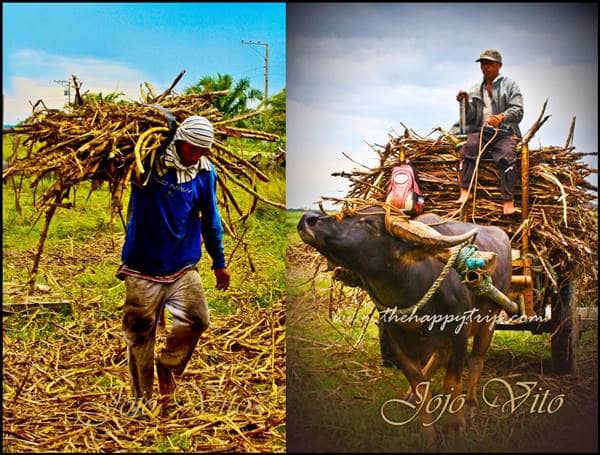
x=169, y=218
x=496, y=104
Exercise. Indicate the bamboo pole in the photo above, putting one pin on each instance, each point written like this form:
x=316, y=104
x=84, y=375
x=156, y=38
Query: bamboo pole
x=527, y=290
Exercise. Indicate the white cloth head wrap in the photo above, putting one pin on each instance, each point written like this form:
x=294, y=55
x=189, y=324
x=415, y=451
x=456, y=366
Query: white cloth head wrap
x=195, y=130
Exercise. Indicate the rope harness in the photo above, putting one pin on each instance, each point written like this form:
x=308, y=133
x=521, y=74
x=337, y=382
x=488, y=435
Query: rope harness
x=473, y=270
x=437, y=283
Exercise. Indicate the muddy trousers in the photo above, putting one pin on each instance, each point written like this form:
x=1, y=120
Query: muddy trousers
x=502, y=150
x=144, y=301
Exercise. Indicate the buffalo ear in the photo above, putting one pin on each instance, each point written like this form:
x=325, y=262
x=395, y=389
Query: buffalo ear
x=490, y=261
x=441, y=254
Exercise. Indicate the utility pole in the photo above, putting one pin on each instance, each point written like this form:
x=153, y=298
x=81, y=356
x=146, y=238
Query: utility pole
x=66, y=84
x=266, y=93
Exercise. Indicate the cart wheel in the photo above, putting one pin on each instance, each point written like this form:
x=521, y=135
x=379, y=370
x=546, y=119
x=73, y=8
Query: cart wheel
x=566, y=333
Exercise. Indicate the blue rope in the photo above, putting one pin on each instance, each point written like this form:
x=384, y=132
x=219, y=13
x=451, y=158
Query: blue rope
x=467, y=260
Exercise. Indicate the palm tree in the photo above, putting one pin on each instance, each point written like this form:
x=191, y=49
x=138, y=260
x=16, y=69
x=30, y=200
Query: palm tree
x=273, y=120
x=112, y=97
x=236, y=101
x=276, y=107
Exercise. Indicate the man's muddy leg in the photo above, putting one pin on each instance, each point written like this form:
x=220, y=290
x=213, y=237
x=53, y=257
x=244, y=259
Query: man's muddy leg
x=187, y=304
x=142, y=301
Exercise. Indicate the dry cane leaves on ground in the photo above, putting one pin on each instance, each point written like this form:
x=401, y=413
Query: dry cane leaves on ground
x=71, y=393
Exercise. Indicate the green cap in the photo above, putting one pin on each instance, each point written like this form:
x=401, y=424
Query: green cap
x=490, y=54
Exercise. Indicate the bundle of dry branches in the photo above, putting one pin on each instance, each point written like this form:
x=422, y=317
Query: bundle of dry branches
x=118, y=143
x=562, y=223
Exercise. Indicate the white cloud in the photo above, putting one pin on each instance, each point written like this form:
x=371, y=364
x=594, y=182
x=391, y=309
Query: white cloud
x=316, y=147
x=36, y=71
x=571, y=91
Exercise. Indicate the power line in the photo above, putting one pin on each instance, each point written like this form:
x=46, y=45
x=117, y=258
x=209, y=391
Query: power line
x=247, y=71
x=256, y=52
x=258, y=43
x=66, y=84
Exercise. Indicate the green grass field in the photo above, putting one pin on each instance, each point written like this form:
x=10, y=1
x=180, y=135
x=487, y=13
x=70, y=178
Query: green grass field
x=337, y=385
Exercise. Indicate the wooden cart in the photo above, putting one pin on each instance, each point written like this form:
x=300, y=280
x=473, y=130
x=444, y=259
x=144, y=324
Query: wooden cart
x=555, y=312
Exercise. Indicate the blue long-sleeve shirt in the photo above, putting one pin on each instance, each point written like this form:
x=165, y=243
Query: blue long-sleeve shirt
x=165, y=220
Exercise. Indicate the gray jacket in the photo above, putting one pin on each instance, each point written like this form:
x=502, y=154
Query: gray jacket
x=507, y=99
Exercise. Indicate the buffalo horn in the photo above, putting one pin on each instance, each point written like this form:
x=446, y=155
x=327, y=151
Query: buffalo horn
x=423, y=234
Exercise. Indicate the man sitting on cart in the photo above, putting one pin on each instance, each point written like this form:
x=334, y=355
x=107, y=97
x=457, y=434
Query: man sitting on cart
x=496, y=104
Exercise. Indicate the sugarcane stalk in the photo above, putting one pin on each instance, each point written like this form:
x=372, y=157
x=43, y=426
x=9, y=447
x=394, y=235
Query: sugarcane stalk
x=250, y=190
x=569, y=141
x=164, y=94
x=42, y=240
x=536, y=125
x=139, y=167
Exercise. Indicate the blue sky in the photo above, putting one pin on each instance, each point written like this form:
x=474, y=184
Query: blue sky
x=112, y=46
x=355, y=71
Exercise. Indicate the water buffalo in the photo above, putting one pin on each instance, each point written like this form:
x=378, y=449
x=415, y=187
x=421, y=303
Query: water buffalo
x=397, y=271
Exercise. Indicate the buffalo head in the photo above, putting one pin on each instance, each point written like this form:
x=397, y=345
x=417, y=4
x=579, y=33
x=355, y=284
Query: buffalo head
x=363, y=243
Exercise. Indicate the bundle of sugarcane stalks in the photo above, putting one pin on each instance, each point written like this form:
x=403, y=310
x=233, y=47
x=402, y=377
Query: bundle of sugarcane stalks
x=561, y=217
x=117, y=143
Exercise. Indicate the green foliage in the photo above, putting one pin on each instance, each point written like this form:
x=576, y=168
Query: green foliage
x=274, y=119
x=236, y=101
x=292, y=217
x=174, y=443
x=265, y=241
x=112, y=97
x=277, y=113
